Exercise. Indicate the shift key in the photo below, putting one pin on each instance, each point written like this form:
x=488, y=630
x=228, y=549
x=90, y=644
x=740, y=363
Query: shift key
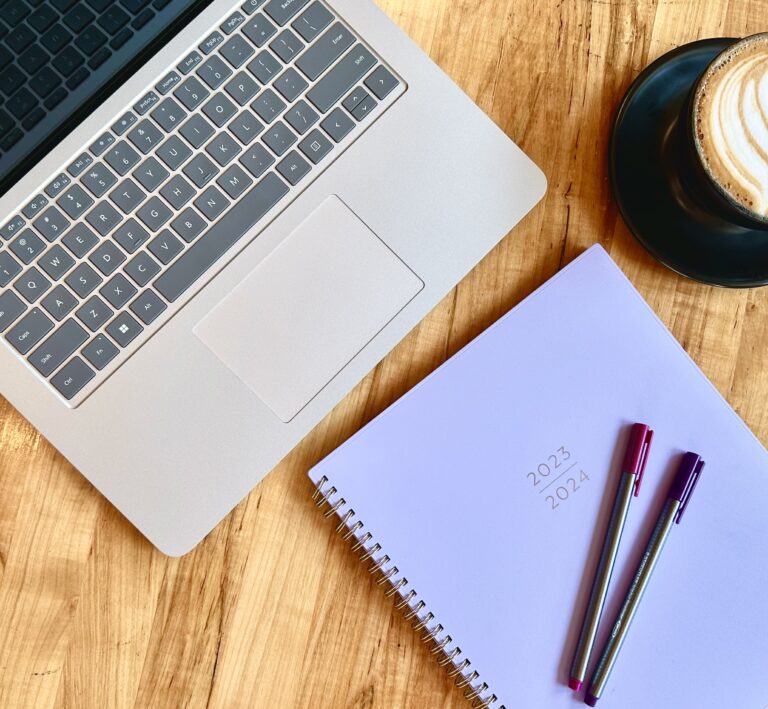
x=341, y=78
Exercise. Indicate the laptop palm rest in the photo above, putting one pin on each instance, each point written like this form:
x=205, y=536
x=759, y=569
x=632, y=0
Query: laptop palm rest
x=313, y=304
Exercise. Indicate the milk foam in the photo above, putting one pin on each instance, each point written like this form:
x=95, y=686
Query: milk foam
x=732, y=124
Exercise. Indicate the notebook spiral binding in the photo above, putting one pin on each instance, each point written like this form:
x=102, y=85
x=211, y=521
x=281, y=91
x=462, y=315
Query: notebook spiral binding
x=448, y=654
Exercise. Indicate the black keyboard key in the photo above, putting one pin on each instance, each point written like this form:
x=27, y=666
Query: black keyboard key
x=226, y=232
x=134, y=6
x=168, y=115
x=80, y=164
x=113, y=20
x=9, y=268
x=340, y=80
x=191, y=93
x=33, y=118
x=11, y=309
x=107, y=257
x=10, y=138
x=173, y=152
x=11, y=78
x=214, y=72
x=100, y=5
x=130, y=236
x=142, y=19
x=121, y=38
x=72, y=378
x=11, y=228
x=14, y=11
x=160, y=4
x=77, y=78
x=59, y=184
x=33, y=58
x=80, y=240
x=281, y=11
x=99, y=58
x=154, y=214
x=62, y=5
x=313, y=21
x=212, y=203
x=98, y=179
x=49, y=356
x=56, y=38
x=148, y=306
x=45, y=81
x=83, y=280
x=32, y=285
x=91, y=40
x=325, y=51
x=219, y=109
x=75, y=201
x=55, y=98
x=145, y=136
x=27, y=246
x=32, y=328
x=59, y=303
x=259, y=30
x=79, y=17
x=188, y=225
x=56, y=262
x=20, y=38
x=142, y=268
x=42, y=18
x=122, y=158
x=165, y=247
x=265, y=67
x=151, y=174
x=93, y=314
x=237, y=51
x=100, y=352
x=35, y=206
x=287, y=46
x=118, y=291
x=124, y=329
x=279, y=138
x=104, y=218
x=5, y=57
x=51, y=224
x=102, y=143
x=68, y=60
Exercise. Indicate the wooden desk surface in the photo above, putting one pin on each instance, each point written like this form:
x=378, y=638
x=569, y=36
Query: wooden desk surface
x=272, y=610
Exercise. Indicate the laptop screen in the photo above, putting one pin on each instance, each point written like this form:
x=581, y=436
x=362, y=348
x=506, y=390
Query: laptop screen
x=59, y=59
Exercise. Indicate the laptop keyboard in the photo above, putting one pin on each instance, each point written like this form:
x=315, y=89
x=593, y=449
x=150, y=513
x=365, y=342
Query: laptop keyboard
x=114, y=244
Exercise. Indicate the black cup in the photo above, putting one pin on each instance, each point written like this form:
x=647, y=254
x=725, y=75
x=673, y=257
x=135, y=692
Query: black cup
x=696, y=179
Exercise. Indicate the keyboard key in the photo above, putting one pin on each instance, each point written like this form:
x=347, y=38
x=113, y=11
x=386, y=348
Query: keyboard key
x=49, y=356
x=287, y=46
x=127, y=196
x=189, y=62
x=83, y=280
x=51, y=224
x=237, y=51
x=165, y=247
x=246, y=127
x=188, y=225
x=290, y=84
x=211, y=203
x=131, y=236
x=232, y=23
x=12, y=228
x=32, y=328
x=118, y=291
x=14, y=11
x=124, y=329
x=79, y=17
x=338, y=125
x=59, y=303
x=173, y=152
x=200, y=170
x=121, y=38
x=223, y=149
x=191, y=93
x=77, y=78
x=27, y=246
x=93, y=314
x=101, y=5
x=22, y=102
x=325, y=51
x=302, y=117
x=104, y=218
x=224, y=233
x=80, y=164
x=146, y=103
x=68, y=60
x=142, y=268
x=148, y=306
x=315, y=146
x=75, y=201
x=35, y=206
x=100, y=352
x=98, y=179
x=168, y=115
x=242, y=88
x=154, y=214
x=265, y=67
x=177, y=192
x=20, y=38
x=145, y=136
x=33, y=58
x=365, y=107
x=167, y=83
x=234, y=181
x=259, y=30
x=280, y=138
x=151, y=174
x=42, y=18
x=293, y=167
x=11, y=308
x=214, y=72
x=59, y=183
x=281, y=11
x=90, y=40
x=381, y=82
x=268, y=106
x=122, y=158
x=250, y=6
x=356, y=97
x=72, y=378
x=9, y=268
x=219, y=109
x=56, y=262
x=340, y=80
x=9, y=138
x=33, y=118
x=197, y=131
x=80, y=240
x=213, y=41
x=107, y=257
x=257, y=160
x=124, y=123
x=142, y=19
x=32, y=285
x=113, y=20
x=312, y=22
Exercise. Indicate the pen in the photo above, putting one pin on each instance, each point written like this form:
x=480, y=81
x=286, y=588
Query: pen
x=632, y=470
x=677, y=500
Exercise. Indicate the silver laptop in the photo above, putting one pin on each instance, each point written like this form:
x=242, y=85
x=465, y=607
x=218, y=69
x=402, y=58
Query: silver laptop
x=207, y=263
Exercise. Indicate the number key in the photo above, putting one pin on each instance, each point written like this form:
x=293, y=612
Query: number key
x=9, y=268
x=51, y=223
x=27, y=246
x=145, y=136
x=75, y=201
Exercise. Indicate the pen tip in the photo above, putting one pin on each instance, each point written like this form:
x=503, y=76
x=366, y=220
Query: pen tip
x=590, y=699
x=575, y=684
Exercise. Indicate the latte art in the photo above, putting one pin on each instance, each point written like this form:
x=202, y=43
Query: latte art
x=731, y=121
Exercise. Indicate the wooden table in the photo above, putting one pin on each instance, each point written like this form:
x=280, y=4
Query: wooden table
x=272, y=610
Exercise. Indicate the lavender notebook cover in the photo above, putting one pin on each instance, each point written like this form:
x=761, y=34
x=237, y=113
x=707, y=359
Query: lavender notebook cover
x=484, y=485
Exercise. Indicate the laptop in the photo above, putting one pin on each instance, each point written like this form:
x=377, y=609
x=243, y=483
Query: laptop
x=217, y=218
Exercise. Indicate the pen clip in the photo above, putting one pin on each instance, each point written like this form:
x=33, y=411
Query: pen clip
x=643, y=460
x=689, y=488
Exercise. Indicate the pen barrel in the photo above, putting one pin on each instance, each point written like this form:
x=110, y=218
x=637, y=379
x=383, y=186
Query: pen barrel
x=602, y=576
x=634, y=596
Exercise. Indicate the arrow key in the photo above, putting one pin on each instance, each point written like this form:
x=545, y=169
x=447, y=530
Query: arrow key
x=381, y=83
x=338, y=125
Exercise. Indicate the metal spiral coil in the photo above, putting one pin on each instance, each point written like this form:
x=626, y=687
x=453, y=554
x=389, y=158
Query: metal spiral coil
x=441, y=645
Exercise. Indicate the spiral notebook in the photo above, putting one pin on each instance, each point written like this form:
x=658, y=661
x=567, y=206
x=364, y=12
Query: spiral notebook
x=478, y=495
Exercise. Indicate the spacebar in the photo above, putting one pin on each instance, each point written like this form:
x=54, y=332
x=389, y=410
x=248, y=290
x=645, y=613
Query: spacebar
x=210, y=247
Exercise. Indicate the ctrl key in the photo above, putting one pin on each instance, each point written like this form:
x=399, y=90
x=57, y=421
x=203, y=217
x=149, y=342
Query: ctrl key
x=72, y=378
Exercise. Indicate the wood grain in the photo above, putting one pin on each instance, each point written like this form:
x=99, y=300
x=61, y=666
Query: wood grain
x=271, y=610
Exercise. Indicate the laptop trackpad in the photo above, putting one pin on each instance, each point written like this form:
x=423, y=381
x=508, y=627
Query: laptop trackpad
x=309, y=308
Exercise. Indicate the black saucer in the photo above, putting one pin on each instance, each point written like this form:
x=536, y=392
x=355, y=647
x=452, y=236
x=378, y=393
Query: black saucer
x=644, y=163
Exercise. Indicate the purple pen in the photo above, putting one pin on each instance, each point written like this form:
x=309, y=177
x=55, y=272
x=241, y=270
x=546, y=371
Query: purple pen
x=677, y=502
